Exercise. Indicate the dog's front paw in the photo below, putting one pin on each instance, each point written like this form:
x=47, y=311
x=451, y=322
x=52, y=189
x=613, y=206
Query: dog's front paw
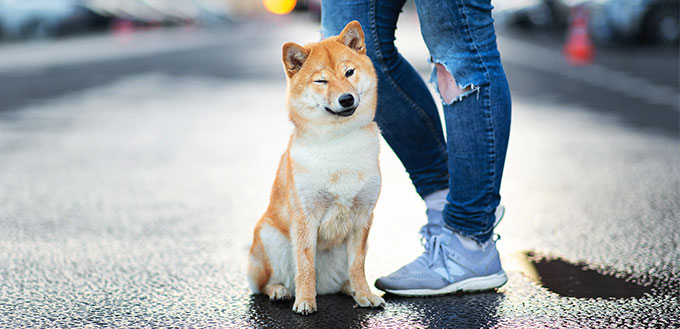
x=369, y=300
x=304, y=306
x=279, y=293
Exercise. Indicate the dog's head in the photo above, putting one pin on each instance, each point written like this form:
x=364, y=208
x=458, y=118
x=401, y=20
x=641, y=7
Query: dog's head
x=332, y=81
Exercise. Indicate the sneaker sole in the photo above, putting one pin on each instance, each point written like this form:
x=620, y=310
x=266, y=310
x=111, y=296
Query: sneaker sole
x=468, y=285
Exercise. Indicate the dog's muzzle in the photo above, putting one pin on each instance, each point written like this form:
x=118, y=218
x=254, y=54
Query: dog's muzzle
x=344, y=113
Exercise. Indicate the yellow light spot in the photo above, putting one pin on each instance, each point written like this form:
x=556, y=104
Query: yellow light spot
x=279, y=7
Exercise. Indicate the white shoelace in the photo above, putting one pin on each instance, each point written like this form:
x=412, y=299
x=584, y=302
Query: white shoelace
x=425, y=232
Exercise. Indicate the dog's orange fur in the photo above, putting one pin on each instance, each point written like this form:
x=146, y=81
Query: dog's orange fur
x=307, y=224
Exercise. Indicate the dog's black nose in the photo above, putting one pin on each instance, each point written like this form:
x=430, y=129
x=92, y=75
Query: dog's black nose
x=346, y=100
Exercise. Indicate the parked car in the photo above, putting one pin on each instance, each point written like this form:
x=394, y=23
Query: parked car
x=630, y=20
x=526, y=13
x=609, y=20
x=33, y=18
x=46, y=18
x=21, y=19
x=639, y=20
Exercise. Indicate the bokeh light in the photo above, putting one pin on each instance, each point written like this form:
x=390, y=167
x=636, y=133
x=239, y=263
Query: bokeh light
x=279, y=7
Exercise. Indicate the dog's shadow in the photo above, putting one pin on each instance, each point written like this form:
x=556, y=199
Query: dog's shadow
x=333, y=311
x=340, y=311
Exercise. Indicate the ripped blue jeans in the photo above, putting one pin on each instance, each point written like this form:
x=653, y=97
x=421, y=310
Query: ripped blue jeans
x=462, y=43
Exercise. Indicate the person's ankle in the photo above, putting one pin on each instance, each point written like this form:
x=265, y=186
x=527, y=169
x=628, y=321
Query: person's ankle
x=435, y=203
x=436, y=200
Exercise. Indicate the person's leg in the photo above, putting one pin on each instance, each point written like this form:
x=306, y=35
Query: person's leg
x=476, y=100
x=407, y=114
x=474, y=90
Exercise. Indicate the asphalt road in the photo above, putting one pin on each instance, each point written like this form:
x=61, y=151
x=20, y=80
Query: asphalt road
x=133, y=168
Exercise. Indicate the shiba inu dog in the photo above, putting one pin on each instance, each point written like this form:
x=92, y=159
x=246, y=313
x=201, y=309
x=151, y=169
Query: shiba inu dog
x=312, y=237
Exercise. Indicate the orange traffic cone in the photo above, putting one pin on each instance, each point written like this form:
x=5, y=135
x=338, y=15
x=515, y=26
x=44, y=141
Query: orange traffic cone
x=578, y=49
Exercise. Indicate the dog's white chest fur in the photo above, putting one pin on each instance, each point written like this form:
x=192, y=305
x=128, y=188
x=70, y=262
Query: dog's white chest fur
x=338, y=182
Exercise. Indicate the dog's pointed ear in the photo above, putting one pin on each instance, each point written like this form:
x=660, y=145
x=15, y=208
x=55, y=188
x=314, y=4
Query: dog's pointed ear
x=294, y=56
x=352, y=36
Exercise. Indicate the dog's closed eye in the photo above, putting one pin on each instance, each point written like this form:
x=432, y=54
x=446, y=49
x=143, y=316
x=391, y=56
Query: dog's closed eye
x=321, y=81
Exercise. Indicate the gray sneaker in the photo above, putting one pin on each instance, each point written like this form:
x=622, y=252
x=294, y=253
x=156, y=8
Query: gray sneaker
x=446, y=266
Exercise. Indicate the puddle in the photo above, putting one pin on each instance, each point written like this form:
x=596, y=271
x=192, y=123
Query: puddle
x=576, y=280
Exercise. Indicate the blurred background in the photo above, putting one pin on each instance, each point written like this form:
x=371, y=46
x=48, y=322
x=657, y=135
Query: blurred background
x=139, y=140
x=612, y=21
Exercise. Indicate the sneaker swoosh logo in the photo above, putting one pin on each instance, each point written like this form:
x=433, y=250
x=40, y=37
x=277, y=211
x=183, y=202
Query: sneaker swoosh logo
x=454, y=270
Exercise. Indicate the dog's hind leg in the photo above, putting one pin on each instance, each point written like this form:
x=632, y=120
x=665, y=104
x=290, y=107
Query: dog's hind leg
x=276, y=291
x=347, y=289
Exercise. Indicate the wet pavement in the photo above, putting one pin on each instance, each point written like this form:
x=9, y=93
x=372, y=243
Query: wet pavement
x=130, y=201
